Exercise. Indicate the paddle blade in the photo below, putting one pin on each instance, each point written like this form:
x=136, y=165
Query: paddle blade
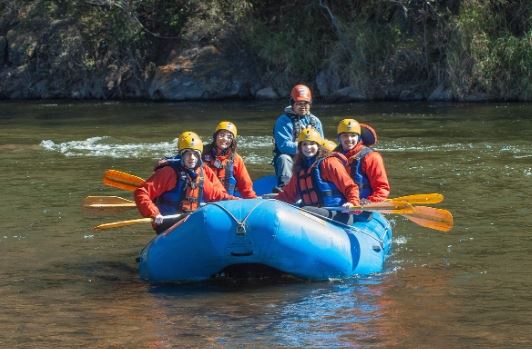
x=122, y=180
x=107, y=202
x=433, y=218
x=119, y=224
x=420, y=199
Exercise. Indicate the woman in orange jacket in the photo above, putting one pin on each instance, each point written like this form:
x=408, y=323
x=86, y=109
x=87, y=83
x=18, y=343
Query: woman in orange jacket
x=179, y=184
x=365, y=165
x=320, y=179
x=222, y=158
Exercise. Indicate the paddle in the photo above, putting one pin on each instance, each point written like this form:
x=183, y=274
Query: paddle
x=428, y=217
x=122, y=180
x=107, y=202
x=433, y=218
x=127, y=181
x=385, y=207
x=119, y=224
x=420, y=199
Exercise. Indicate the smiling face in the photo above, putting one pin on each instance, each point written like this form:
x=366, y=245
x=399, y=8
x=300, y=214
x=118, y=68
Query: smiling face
x=348, y=140
x=190, y=158
x=309, y=148
x=301, y=108
x=224, y=139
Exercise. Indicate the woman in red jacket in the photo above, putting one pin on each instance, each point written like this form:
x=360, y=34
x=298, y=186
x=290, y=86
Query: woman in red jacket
x=319, y=178
x=222, y=158
x=179, y=184
x=365, y=165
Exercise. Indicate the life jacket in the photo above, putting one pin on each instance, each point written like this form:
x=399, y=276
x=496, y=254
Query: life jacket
x=297, y=126
x=314, y=191
x=359, y=177
x=225, y=170
x=187, y=195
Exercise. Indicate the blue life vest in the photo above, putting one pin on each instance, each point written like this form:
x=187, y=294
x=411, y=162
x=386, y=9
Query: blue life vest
x=358, y=175
x=187, y=195
x=314, y=191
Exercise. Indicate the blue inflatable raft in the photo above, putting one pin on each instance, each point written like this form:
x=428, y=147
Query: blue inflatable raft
x=269, y=233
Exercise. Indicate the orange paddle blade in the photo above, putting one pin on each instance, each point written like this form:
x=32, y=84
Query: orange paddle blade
x=421, y=199
x=122, y=180
x=433, y=218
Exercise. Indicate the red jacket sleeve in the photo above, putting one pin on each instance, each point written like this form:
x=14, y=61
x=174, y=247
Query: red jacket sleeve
x=243, y=180
x=161, y=181
x=289, y=193
x=333, y=170
x=373, y=166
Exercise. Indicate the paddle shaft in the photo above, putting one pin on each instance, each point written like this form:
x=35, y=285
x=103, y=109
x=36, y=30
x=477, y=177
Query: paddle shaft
x=108, y=202
x=119, y=224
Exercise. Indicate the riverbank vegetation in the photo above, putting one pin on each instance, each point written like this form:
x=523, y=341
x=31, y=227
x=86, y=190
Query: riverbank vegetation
x=468, y=49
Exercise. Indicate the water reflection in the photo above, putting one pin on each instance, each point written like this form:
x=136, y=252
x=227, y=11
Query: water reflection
x=287, y=314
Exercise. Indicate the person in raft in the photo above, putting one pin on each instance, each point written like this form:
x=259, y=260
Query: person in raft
x=287, y=127
x=180, y=184
x=222, y=158
x=320, y=179
x=365, y=165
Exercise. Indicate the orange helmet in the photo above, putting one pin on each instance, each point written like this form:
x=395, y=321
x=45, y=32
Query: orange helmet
x=301, y=93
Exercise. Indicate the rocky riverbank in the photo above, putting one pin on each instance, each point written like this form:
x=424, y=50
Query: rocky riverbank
x=50, y=52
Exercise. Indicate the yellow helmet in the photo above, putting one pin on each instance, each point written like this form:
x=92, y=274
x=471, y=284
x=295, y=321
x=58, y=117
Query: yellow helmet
x=348, y=126
x=310, y=135
x=228, y=126
x=329, y=145
x=189, y=140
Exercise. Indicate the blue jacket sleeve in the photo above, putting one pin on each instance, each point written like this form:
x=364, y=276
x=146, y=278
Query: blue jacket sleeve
x=319, y=127
x=283, y=135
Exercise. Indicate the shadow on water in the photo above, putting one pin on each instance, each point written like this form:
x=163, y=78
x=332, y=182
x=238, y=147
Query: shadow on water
x=284, y=311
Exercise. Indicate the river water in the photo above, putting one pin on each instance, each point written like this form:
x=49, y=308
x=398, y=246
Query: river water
x=62, y=285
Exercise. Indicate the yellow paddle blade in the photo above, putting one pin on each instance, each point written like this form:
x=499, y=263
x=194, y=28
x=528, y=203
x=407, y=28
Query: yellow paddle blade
x=420, y=199
x=122, y=180
x=107, y=202
x=433, y=218
x=119, y=224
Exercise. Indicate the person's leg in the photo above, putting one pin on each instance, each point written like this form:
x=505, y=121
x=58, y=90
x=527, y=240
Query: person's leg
x=283, y=169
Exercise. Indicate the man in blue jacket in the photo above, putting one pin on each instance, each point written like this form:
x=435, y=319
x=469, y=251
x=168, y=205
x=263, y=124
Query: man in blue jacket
x=295, y=118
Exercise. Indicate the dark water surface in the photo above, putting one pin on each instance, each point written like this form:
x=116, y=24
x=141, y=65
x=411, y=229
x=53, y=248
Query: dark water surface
x=64, y=286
